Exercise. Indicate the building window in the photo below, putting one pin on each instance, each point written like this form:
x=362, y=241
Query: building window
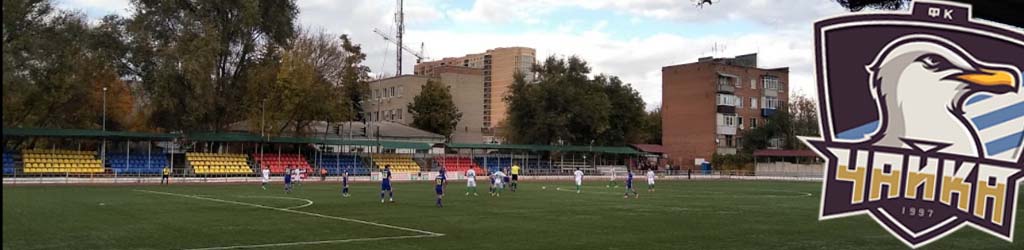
x=771, y=102
x=753, y=103
x=723, y=80
x=739, y=102
x=727, y=120
x=753, y=83
x=727, y=100
x=753, y=122
x=399, y=111
x=739, y=122
x=770, y=82
x=729, y=141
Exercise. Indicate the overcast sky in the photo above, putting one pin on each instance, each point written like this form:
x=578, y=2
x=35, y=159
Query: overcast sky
x=631, y=39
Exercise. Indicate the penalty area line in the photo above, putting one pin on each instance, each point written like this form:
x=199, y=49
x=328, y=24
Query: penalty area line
x=424, y=232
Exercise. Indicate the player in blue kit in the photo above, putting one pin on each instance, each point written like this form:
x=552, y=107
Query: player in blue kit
x=629, y=185
x=344, y=184
x=287, y=181
x=385, y=184
x=439, y=188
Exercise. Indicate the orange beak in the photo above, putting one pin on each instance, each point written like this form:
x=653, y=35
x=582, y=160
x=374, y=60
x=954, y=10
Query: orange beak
x=990, y=78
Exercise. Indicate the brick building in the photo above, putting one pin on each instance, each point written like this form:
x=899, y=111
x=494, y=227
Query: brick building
x=708, y=104
x=498, y=65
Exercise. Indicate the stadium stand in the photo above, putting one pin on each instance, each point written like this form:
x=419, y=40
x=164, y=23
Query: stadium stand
x=214, y=163
x=494, y=163
x=338, y=164
x=278, y=162
x=537, y=164
x=399, y=163
x=8, y=163
x=456, y=164
x=137, y=164
x=43, y=161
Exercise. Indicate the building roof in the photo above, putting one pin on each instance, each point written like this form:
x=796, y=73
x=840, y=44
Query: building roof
x=533, y=147
x=785, y=153
x=649, y=148
x=85, y=133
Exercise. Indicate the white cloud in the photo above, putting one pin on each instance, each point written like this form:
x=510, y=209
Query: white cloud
x=782, y=38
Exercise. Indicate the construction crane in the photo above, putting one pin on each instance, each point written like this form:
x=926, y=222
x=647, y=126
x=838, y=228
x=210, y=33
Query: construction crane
x=400, y=27
x=418, y=54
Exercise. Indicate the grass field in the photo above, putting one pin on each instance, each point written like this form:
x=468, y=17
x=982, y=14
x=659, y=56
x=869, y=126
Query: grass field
x=680, y=215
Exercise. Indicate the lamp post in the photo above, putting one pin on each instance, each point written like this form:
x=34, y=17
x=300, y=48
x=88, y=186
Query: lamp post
x=103, y=147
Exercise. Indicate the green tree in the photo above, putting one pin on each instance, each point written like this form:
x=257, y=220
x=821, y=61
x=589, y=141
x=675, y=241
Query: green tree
x=194, y=58
x=565, y=105
x=626, y=119
x=433, y=109
x=653, y=128
x=304, y=86
x=355, y=77
x=54, y=70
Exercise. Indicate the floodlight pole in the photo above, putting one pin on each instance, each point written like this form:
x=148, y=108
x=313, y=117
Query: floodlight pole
x=103, y=147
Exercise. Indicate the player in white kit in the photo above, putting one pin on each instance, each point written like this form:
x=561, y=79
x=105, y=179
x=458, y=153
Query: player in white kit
x=650, y=180
x=579, y=179
x=471, y=181
x=498, y=185
x=266, y=177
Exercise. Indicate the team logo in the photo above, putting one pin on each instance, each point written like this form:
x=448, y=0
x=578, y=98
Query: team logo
x=922, y=120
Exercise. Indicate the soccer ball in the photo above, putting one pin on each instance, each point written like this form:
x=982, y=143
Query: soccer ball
x=559, y=189
x=544, y=187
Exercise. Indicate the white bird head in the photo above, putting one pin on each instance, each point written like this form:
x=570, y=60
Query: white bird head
x=921, y=83
x=918, y=64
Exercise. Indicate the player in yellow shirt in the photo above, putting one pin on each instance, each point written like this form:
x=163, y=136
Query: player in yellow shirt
x=515, y=177
x=166, y=177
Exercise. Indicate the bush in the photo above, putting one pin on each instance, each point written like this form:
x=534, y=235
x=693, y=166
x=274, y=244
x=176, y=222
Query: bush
x=739, y=161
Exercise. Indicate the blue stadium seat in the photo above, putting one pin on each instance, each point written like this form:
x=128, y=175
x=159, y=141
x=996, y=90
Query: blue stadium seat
x=336, y=165
x=137, y=164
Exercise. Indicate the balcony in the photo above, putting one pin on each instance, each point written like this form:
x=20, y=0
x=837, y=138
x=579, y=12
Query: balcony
x=725, y=109
x=767, y=112
x=726, y=130
x=726, y=88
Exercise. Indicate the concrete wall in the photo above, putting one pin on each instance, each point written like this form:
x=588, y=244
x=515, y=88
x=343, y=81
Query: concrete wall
x=788, y=169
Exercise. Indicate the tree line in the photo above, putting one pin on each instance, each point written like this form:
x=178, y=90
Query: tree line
x=176, y=66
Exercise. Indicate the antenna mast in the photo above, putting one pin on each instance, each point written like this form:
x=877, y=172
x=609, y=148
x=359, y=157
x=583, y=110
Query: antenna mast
x=400, y=23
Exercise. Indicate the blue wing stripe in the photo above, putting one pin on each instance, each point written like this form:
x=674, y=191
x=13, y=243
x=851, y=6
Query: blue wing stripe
x=1004, y=144
x=999, y=116
x=977, y=98
x=859, y=132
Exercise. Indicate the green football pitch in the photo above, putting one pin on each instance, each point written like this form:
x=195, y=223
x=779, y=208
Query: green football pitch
x=680, y=215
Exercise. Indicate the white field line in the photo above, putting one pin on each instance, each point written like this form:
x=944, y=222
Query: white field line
x=318, y=242
x=308, y=202
x=297, y=212
x=797, y=194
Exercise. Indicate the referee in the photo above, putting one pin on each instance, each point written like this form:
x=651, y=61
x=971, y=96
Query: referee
x=515, y=176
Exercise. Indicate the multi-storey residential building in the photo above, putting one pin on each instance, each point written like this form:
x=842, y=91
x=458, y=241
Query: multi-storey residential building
x=498, y=65
x=390, y=97
x=707, y=105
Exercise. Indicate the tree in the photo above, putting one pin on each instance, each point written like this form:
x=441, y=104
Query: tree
x=303, y=87
x=797, y=118
x=55, y=69
x=433, y=109
x=194, y=58
x=626, y=119
x=565, y=105
x=355, y=77
x=653, y=129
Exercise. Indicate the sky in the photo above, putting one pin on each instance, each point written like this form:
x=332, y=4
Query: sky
x=631, y=39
